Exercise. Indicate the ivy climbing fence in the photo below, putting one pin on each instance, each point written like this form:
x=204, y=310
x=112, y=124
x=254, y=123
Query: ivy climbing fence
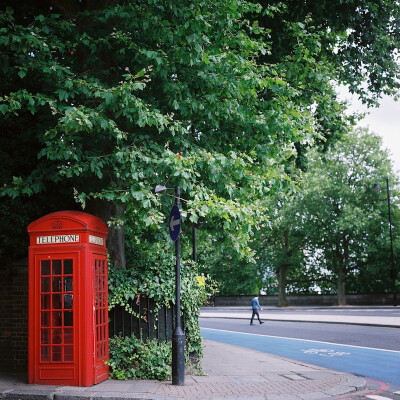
x=148, y=320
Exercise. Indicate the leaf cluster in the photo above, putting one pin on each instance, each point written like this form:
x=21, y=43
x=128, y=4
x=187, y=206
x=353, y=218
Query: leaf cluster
x=131, y=358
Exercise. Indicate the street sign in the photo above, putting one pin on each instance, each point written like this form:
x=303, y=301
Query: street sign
x=174, y=223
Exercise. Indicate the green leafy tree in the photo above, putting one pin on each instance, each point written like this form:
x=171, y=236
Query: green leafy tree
x=282, y=243
x=342, y=218
x=121, y=96
x=358, y=38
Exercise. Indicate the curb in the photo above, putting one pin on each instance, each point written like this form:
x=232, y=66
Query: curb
x=306, y=321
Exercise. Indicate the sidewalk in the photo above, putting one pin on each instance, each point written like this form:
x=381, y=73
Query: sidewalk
x=229, y=372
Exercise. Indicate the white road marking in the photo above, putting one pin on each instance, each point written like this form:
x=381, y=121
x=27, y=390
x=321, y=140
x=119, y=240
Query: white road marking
x=325, y=352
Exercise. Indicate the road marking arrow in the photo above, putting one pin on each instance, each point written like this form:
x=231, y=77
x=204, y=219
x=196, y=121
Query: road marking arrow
x=173, y=223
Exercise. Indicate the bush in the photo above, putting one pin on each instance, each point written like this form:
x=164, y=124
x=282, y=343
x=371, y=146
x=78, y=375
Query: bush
x=132, y=358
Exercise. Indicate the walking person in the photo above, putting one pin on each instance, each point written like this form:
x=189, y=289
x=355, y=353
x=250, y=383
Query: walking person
x=255, y=305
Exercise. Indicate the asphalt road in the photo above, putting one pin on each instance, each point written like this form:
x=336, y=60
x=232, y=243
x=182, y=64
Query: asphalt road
x=354, y=335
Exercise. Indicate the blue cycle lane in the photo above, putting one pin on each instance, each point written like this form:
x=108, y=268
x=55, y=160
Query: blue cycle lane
x=375, y=364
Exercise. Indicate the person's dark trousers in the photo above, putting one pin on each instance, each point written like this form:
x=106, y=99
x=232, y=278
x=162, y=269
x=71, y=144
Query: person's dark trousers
x=255, y=312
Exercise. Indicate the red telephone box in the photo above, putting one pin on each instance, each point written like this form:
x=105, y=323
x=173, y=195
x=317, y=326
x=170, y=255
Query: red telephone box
x=68, y=304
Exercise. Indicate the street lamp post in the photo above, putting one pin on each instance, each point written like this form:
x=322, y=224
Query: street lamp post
x=392, y=267
x=178, y=337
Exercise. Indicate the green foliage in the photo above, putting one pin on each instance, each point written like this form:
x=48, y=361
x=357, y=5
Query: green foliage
x=235, y=276
x=131, y=358
x=156, y=279
x=337, y=234
x=358, y=38
x=184, y=99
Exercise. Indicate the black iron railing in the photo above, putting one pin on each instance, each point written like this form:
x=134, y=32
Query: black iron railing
x=148, y=321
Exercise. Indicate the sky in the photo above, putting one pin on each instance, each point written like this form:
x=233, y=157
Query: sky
x=385, y=121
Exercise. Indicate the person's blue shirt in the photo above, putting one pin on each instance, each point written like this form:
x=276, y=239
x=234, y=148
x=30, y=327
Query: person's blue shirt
x=255, y=305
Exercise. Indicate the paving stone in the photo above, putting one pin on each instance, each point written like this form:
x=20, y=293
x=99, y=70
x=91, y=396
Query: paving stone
x=128, y=396
x=65, y=395
x=340, y=390
x=73, y=388
x=246, y=378
x=211, y=378
x=312, y=396
x=318, y=374
x=295, y=377
x=29, y=395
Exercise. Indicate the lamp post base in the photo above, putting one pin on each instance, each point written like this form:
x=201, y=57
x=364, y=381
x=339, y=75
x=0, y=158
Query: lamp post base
x=178, y=357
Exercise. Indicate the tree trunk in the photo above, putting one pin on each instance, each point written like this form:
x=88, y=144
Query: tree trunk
x=341, y=293
x=343, y=263
x=116, y=236
x=282, y=273
x=341, y=286
x=282, y=301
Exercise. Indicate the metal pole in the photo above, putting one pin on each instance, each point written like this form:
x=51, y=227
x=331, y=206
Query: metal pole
x=393, y=270
x=178, y=337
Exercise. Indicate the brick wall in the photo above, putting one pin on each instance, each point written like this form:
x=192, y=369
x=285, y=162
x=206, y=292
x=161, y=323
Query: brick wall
x=14, y=317
x=379, y=299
